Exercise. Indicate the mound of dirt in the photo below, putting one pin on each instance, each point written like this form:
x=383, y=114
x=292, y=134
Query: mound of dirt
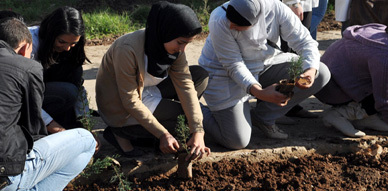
x=329, y=23
x=355, y=171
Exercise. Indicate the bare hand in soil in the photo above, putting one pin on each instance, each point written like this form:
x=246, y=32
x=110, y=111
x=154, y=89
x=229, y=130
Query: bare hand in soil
x=168, y=144
x=306, y=79
x=269, y=94
x=197, y=145
x=54, y=127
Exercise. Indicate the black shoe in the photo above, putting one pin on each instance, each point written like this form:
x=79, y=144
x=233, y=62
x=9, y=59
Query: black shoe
x=109, y=136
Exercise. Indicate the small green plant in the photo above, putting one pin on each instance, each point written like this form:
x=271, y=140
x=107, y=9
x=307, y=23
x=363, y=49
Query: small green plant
x=182, y=132
x=123, y=183
x=295, y=68
x=86, y=115
x=97, y=167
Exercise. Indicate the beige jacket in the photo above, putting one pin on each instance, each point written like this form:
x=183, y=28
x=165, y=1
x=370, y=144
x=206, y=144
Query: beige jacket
x=120, y=83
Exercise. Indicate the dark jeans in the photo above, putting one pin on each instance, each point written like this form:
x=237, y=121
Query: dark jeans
x=169, y=107
x=59, y=101
x=60, y=96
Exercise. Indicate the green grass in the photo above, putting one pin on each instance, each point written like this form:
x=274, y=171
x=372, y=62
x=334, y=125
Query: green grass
x=101, y=21
x=34, y=11
x=104, y=23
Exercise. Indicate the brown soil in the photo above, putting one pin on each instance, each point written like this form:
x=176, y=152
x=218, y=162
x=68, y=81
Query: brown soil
x=329, y=23
x=350, y=172
x=360, y=171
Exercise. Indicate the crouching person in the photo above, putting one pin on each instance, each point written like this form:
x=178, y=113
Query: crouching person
x=29, y=158
x=358, y=86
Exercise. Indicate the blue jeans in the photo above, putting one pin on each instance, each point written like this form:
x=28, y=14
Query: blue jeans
x=318, y=14
x=55, y=160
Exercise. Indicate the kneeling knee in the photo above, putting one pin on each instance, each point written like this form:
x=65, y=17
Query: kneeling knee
x=237, y=143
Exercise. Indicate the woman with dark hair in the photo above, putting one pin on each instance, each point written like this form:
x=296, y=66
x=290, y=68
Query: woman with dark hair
x=58, y=44
x=144, y=83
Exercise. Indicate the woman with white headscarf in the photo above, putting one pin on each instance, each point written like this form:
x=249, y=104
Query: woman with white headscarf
x=242, y=64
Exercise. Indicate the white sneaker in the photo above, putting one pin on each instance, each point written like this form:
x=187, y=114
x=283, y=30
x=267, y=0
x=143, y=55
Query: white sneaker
x=271, y=131
x=372, y=122
x=334, y=117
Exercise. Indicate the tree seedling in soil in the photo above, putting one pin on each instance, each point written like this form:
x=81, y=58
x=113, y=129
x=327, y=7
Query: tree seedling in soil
x=107, y=169
x=182, y=134
x=286, y=86
x=96, y=167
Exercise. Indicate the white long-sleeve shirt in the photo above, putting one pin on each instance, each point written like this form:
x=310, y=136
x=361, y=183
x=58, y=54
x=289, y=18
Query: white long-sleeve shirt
x=307, y=5
x=234, y=62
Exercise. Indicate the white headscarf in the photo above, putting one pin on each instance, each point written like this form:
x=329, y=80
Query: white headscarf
x=254, y=12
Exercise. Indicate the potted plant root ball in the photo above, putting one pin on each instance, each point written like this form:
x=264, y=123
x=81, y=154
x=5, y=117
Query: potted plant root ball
x=286, y=86
x=182, y=135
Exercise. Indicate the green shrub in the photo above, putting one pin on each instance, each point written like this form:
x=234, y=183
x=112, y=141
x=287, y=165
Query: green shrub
x=140, y=13
x=105, y=23
x=34, y=11
x=100, y=21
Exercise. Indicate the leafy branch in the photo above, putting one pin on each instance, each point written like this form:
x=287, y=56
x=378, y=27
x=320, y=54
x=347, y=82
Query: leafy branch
x=295, y=68
x=86, y=117
x=182, y=132
x=100, y=165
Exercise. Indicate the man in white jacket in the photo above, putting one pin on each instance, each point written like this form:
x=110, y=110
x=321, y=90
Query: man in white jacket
x=242, y=64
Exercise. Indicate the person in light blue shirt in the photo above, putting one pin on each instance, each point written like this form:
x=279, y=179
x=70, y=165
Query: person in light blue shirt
x=242, y=65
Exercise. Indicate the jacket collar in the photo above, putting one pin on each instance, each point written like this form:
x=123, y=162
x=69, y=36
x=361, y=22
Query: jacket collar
x=4, y=45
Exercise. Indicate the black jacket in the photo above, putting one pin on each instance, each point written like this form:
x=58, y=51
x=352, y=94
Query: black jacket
x=21, y=96
x=67, y=69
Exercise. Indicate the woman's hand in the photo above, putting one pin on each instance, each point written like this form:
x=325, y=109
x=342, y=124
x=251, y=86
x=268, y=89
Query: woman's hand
x=269, y=94
x=298, y=10
x=168, y=144
x=54, y=127
x=306, y=79
x=197, y=145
